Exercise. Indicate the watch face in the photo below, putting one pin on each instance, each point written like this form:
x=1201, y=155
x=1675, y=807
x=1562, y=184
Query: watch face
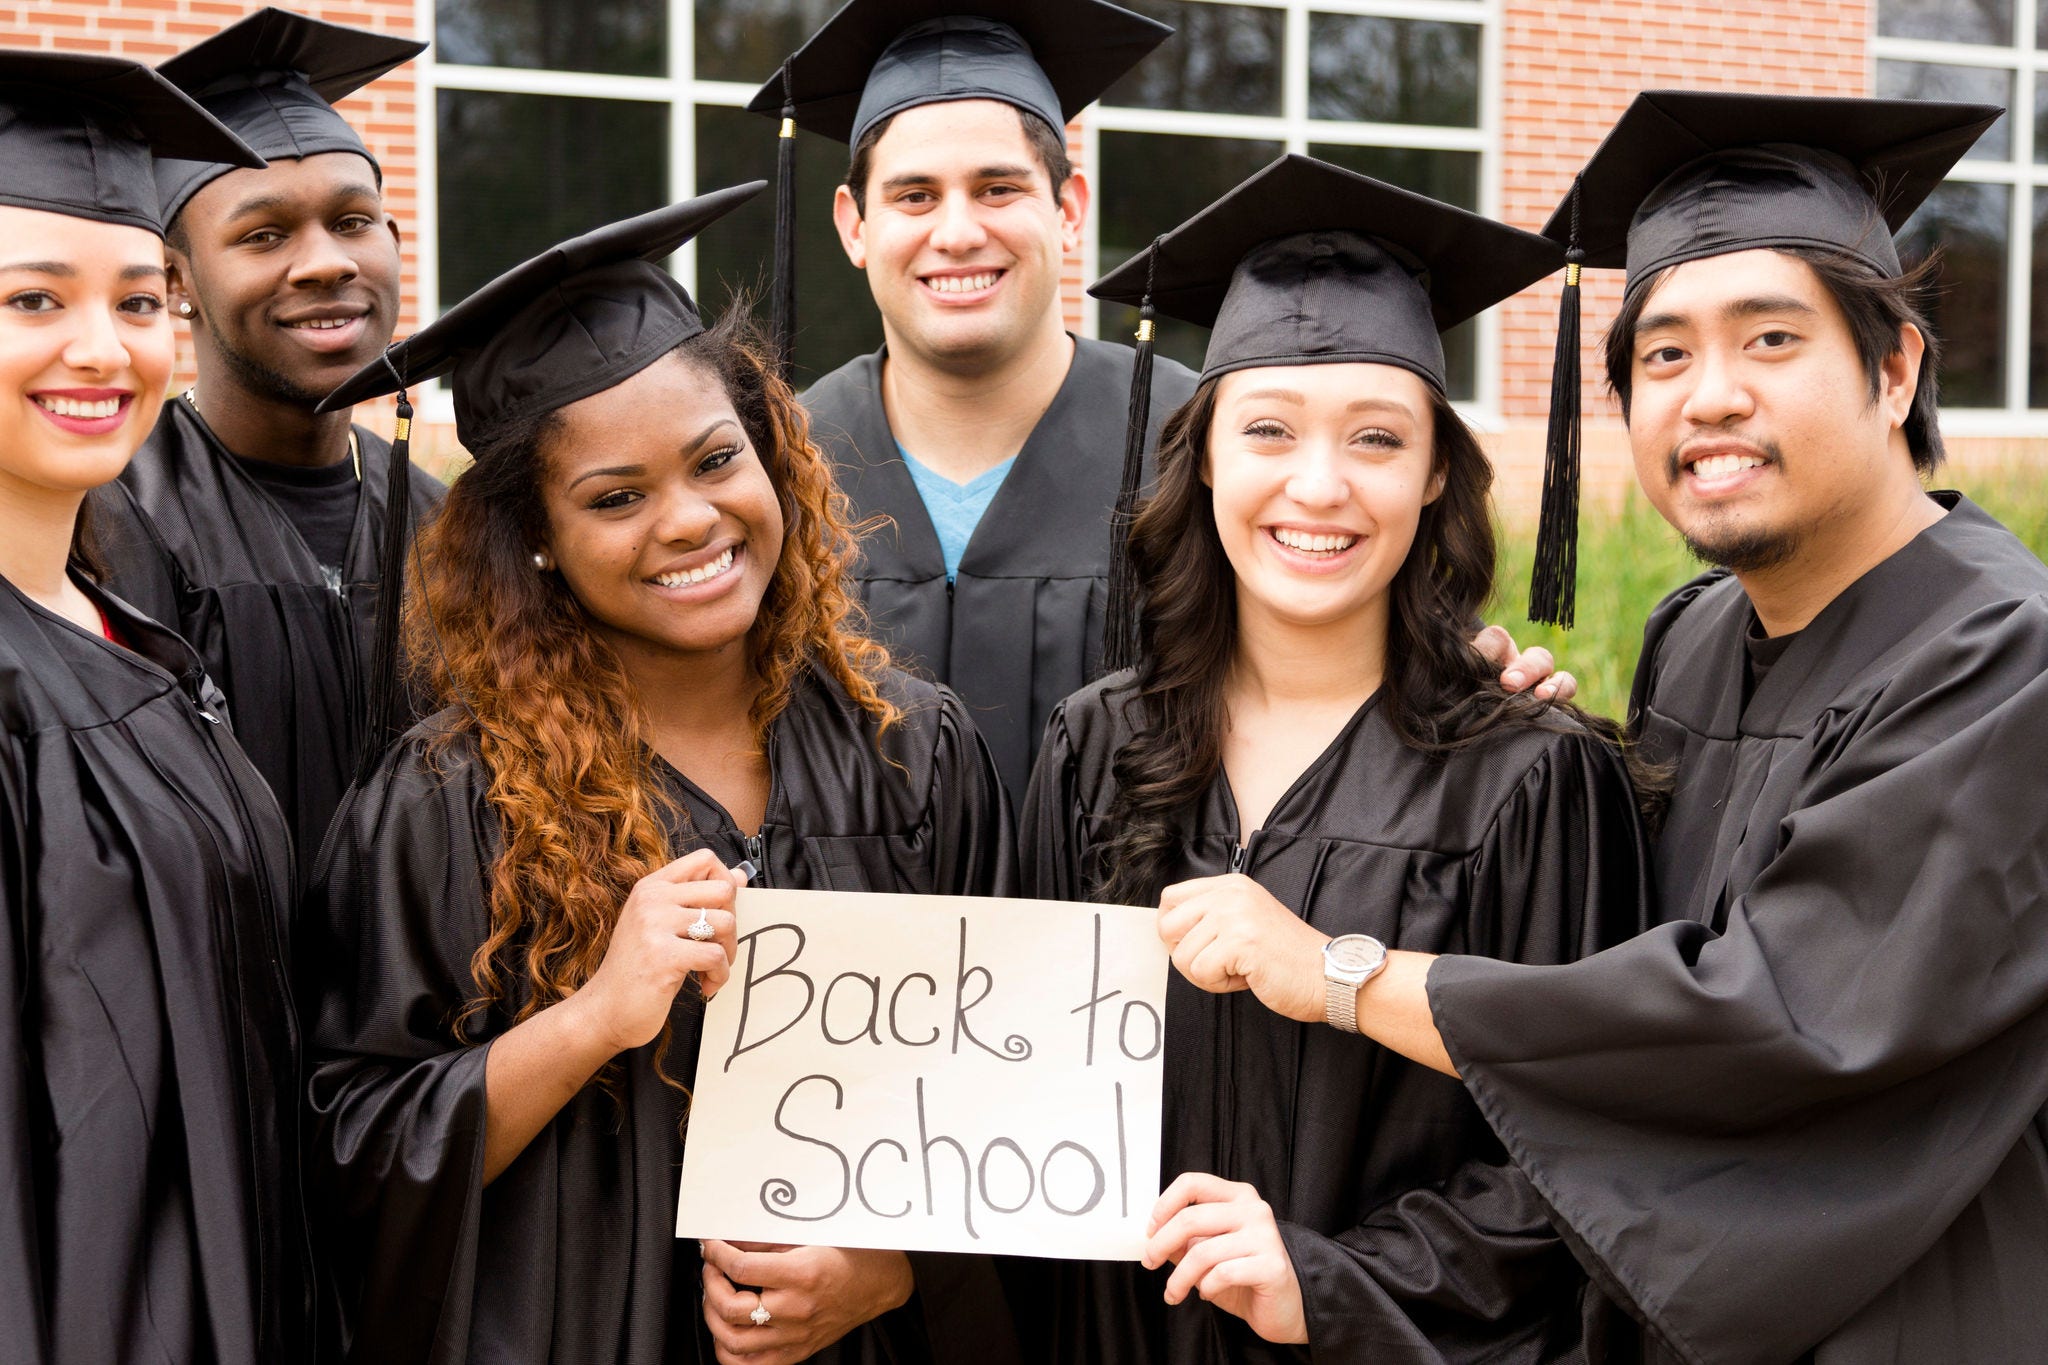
x=1355, y=953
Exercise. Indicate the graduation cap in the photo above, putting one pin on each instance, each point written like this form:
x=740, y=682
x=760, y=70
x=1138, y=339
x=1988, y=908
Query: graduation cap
x=273, y=78
x=582, y=317
x=1687, y=174
x=875, y=58
x=79, y=134
x=1306, y=263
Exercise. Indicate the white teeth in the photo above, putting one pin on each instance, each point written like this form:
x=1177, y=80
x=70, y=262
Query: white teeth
x=962, y=284
x=702, y=573
x=1721, y=466
x=1314, y=544
x=72, y=407
x=323, y=324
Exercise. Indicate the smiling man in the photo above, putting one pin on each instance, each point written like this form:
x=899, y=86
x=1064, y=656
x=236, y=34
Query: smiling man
x=249, y=521
x=1807, y=1117
x=989, y=436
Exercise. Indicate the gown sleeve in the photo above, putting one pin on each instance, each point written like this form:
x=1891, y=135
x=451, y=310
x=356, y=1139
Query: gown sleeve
x=1455, y=1270
x=22, y=1291
x=974, y=840
x=394, y=909
x=1049, y=826
x=1755, y=1133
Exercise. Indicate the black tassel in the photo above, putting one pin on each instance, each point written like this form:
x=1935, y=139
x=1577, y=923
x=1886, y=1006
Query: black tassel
x=387, y=712
x=1120, y=633
x=783, y=311
x=1553, y=580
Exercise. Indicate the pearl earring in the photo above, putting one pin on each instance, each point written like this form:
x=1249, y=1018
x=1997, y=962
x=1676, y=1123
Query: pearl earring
x=540, y=561
x=185, y=310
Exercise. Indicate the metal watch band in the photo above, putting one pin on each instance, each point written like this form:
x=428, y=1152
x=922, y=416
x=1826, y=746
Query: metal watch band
x=1340, y=1002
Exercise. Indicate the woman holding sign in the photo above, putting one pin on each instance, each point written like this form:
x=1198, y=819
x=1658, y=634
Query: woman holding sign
x=634, y=608
x=1309, y=731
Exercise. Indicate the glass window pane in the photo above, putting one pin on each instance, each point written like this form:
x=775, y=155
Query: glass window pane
x=835, y=314
x=1970, y=84
x=1149, y=183
x=1952, y=21
x=1374, y=70
x=2037, y=317
x=1452, y=177
x=746, y=40
x=1970, y=225
x=1222, y=59
x=2041, y=115
x=619, y=37
x=519, y=173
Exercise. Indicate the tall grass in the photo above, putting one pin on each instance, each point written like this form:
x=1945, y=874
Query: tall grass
x=1629, y=561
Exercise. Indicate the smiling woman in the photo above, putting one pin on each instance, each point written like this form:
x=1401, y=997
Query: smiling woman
x=145, y=864
x=1311, y=756
x=636, y=612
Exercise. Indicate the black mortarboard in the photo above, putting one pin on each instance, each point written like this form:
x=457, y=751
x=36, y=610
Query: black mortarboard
x=273, y=78
x=875, y=58
x=1306, y=263
x=1687, y=174
x=78, y=135
x=575, y=320
x=1692, y=173
x=579, y=318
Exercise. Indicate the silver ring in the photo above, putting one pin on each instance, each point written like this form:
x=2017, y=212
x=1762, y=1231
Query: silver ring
x=761, y=1317
x=703, y=929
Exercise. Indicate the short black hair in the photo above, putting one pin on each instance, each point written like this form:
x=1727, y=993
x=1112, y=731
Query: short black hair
x=1877, y=306
x=1049, y=146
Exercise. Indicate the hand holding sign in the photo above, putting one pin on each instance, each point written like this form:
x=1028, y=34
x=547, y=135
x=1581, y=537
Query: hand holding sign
x=931, y=1073
x=652, y=951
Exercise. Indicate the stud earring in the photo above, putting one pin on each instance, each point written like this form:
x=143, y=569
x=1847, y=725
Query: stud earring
x=185, y=309
x=540, y=561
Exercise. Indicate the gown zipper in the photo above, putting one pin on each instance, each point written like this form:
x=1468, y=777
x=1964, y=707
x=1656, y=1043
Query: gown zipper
x=757, y=854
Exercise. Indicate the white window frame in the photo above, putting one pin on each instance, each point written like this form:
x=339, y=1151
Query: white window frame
x=1293, y=128
x=2028, y=66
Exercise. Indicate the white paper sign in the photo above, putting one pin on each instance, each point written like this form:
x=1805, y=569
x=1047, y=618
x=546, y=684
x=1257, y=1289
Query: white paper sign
x=931, y=1073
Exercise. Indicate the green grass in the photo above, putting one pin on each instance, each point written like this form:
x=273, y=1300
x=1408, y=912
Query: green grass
x=1629, y=561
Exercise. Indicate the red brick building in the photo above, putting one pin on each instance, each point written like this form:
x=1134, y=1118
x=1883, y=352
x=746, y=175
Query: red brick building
x=531, y=119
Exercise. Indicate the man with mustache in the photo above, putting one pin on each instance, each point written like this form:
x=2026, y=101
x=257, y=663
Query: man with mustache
x=1806, y=1118
x=250, y=522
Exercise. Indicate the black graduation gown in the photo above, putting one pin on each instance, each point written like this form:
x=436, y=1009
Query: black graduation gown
x=150, y=1207
x=571, y=1254
x=1413, y=1236
x=1021, y=627
x=1805, y=1121
x=198, y=544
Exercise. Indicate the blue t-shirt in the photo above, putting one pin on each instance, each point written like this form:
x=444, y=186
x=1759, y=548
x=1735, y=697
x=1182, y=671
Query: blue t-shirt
x=955, y=508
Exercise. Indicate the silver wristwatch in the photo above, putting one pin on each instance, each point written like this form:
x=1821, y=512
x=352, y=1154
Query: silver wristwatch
x=1349, y=961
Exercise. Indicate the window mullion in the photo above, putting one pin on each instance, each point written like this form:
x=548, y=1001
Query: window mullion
x=682, y=127
x=1294, y=77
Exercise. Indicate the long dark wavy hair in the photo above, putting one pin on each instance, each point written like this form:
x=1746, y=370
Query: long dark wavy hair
x=549, y=706
x=1439, y=694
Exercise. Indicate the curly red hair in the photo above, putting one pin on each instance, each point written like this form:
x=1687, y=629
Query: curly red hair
x=551, y=710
